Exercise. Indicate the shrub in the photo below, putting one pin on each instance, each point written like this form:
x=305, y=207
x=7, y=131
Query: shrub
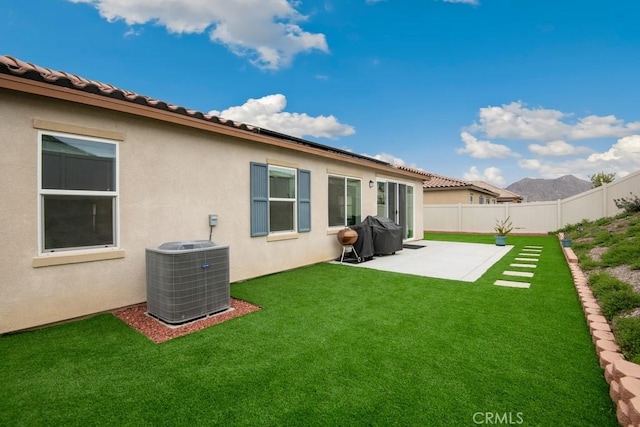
x=603, y=221
x=603, y=283
x=629, y=204
x=587, y=263
x=618, y=301
x=625, y=252
x=627, y=332
x=614, y=296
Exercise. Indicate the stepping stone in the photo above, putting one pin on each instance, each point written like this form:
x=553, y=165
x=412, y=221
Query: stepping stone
x=533, y=251
x=510, y=284
x=518, y=273
x=533, y=247
x=527, y=259
x=528, y=254
x=523, y=265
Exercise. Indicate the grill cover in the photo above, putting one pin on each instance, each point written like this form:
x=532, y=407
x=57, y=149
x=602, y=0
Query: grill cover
x=364, y=244
x=386, y=235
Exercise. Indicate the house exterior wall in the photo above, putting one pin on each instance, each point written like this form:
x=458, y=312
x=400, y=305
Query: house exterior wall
x=171, y=178
x=436, y=197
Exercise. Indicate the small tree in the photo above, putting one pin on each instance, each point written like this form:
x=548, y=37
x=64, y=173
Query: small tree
x=600, y=178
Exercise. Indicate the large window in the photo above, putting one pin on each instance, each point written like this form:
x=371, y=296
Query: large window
x=280, y=199
x=345, y=206
x=78, y=192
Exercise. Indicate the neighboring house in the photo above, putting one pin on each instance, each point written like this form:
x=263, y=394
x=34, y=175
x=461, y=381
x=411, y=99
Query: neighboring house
x=93, y=175
x=504, y=196
x=444, y=190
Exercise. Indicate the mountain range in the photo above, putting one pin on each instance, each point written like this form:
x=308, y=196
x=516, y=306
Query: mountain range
x=540, y=190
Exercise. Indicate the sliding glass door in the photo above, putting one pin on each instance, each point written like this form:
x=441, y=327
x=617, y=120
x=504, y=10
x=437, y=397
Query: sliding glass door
x=396, y=201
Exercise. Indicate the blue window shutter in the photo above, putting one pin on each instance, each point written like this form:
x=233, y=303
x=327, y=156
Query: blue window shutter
x=304, y=201
x=259, y=199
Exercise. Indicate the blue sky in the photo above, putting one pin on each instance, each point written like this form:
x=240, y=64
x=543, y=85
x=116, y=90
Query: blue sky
x=495, y=90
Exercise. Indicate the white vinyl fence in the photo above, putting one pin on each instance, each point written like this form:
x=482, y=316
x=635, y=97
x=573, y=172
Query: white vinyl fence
x=535, y=217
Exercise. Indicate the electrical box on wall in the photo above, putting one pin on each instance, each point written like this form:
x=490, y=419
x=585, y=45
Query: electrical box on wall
x=213, y=220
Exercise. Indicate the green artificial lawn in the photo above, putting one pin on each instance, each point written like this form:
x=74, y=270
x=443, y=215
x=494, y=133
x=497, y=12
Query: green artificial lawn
x=332, y=345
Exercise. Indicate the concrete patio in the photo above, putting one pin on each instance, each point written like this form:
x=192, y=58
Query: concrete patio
x=445, y=260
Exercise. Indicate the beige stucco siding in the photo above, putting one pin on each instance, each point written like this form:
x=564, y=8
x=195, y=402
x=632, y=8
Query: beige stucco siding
x=170, y=179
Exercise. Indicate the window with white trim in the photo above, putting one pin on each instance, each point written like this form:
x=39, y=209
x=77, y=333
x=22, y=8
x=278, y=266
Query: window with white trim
x=280, y=199
x=345, y=201
x=78, y=192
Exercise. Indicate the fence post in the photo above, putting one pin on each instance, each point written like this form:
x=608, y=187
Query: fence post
x=605, y=205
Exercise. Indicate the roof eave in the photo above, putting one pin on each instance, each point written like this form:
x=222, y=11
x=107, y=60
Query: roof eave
x=26, y=85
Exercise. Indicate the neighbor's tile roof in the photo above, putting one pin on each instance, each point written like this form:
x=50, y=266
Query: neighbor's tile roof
x=440, y=181
x=14, y=66
x=433, y=180
x=506, y=194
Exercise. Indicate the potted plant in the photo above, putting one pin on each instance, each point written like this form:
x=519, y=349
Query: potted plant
x=566, y=240
x=502, y=228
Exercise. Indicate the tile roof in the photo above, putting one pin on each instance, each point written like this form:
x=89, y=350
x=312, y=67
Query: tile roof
x=441, y=182
x=503, y=193
x=426, y=174
x=15, y=67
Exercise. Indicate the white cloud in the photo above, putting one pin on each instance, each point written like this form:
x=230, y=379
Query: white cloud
x=626, y=150
x=267, y=112
x=265, y=31
x=556, y=149
x=492, y=175
x=533, y=164
x=483, y=149
x=515, y=121
x=597, y=127
x=475, y=2
x=621, y=158
x=547, y=169
x=552, y=133
x=389, y=158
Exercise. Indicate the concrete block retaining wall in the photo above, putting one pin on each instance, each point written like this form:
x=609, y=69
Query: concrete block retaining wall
x=622, y=376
